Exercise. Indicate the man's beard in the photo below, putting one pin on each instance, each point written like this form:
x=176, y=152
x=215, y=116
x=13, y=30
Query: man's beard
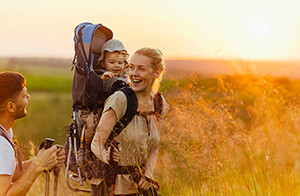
x=20, y=112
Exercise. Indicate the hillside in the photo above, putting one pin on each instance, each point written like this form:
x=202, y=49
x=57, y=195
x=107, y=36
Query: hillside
x=290, y=69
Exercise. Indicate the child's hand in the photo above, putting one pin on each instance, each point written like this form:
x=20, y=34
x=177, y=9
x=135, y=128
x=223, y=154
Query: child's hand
x=107, y=75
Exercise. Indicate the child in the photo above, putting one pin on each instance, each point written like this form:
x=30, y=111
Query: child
x=113, y=60
x=112, y=63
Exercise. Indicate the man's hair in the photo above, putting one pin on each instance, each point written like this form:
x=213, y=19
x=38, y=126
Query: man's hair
x=11, y=84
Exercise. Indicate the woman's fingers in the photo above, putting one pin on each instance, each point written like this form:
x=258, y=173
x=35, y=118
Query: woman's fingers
x=144, y=184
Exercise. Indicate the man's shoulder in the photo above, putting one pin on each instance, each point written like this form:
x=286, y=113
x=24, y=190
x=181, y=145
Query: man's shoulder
x=4, y=144
x=7, y=157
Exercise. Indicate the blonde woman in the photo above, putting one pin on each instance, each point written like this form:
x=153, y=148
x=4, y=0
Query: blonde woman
x=138, y=142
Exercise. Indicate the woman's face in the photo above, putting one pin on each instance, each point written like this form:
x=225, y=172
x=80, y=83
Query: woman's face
x=142, y=73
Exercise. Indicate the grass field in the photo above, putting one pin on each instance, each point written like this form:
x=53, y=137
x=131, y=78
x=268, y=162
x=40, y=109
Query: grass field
x=225, y=135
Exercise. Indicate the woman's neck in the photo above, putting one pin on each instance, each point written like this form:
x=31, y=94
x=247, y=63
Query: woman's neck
x=144, y=100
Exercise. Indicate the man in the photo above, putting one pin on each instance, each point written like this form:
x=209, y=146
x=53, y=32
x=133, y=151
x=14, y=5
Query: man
x=13, y=101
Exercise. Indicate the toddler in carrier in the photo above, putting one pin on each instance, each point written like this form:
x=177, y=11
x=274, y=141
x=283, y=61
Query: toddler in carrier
x=111, y=64
x=113, y=60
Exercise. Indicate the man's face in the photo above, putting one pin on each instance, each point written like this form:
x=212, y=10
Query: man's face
x=21, y=104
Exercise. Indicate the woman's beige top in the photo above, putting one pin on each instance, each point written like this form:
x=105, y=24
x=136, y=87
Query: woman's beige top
x=137, y=140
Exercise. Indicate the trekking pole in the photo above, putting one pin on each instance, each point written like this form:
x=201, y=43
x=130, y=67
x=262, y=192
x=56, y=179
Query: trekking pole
x=56, y=171
x=47, y=143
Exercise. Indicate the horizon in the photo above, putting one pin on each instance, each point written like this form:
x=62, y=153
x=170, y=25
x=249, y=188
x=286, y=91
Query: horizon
x=181, y=67
x=167, y=59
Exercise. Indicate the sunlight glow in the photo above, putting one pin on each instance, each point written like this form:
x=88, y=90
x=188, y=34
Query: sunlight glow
x=256, y=28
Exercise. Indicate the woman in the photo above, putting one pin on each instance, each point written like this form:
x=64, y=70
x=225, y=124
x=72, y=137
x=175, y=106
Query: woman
x=138, y=142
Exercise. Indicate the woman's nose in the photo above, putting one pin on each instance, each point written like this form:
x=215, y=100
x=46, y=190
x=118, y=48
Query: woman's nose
x=134, y=72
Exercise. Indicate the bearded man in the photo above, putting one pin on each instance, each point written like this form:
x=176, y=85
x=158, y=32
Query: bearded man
x=17, y=178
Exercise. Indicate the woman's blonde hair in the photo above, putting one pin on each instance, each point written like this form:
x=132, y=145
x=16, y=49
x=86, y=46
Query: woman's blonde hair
x=157, y=62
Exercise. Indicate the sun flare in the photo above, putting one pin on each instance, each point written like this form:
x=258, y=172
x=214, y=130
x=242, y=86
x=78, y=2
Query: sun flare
x=256, y=28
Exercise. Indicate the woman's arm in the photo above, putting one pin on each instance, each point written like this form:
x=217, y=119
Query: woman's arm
x=103, y=130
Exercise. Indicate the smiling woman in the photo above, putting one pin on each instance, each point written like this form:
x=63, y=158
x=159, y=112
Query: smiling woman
x=138, y=142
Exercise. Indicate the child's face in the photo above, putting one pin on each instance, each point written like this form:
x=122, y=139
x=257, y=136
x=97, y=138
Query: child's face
x=114, y=63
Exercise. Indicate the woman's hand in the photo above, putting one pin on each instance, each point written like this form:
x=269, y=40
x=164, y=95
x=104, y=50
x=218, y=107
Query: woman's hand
x=144, y=184
x=115, y=155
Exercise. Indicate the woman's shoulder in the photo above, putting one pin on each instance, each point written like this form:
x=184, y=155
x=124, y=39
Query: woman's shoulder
x=117, y=96
x=118, y=102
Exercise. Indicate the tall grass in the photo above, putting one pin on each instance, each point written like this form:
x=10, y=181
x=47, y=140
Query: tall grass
x=232, y=135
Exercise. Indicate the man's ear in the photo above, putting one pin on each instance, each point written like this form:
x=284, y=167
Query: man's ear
x=11, y=107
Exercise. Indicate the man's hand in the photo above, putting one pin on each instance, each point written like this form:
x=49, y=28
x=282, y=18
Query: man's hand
x=61, y=157
x=47, y=159
x=107, y=75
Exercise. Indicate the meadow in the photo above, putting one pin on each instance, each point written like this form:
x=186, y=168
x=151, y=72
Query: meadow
x=223, y=135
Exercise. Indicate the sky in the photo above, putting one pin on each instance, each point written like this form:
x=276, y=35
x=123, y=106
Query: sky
x=214, y=29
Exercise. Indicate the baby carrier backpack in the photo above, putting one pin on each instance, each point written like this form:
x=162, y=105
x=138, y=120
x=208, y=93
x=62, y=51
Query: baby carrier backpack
x=88, y=96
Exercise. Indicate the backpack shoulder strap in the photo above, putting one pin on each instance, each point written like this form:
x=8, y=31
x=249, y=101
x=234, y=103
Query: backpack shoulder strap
x=158, y=104
x=9, y=141
x=132, y=105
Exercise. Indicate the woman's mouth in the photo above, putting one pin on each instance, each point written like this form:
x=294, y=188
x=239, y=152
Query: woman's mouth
x=136, y=82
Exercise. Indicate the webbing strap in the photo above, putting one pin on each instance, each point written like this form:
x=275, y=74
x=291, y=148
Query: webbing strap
x=81, y=44
x=15, y=146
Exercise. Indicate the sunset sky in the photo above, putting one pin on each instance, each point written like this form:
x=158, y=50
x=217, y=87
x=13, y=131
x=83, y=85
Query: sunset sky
x=238, y=29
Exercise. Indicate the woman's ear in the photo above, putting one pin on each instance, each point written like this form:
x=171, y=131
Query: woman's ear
x=156, y=73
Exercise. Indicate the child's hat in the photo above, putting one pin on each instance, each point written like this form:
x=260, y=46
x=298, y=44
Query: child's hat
x=113, y=45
